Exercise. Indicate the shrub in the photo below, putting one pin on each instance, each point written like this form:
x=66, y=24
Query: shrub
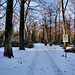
x=61, y=42
x=45, y=44
x=30, y=45
x=26, y=42
x=74, y=44
x=55, y=42
x=15, y=44
x=1, y=43
x=50, y=43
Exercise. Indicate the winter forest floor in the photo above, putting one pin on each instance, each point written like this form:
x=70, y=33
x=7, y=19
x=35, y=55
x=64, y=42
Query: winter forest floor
x=40, y=60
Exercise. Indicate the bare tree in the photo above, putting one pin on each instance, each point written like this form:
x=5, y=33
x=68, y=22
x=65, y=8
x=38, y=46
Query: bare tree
x=63, y=15
x=21, y=31
x=8, y=30
x=56, y=27
x=73, y=11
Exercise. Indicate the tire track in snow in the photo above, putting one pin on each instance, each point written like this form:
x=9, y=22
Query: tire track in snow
x=34, y=63
x=57, y=70
x=32, y=68
x=42, y=67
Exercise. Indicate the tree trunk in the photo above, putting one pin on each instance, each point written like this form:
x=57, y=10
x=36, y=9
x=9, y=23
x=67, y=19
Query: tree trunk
x=69, y=32
x=21, y=31
x=8, y=30
x=63, y=22
x=59, y=28
x=74, y=27
x=29, y=36
x=43, y=35
x=55, y=28
x=25, y=34
x=50, y=29
x=46, y=30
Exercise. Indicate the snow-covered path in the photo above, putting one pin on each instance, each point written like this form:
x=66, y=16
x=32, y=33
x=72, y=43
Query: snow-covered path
x=46, y=63
x=40, y=60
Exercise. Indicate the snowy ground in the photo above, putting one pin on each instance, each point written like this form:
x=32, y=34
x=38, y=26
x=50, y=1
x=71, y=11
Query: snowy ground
x=40, y=60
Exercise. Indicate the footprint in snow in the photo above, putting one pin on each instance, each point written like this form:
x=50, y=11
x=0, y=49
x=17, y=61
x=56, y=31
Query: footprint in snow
x=52, y=67
x=37, y=69
x=15, y=67
x=20, y=62
x=64, y=71
x=28, y=66
x=47, y=68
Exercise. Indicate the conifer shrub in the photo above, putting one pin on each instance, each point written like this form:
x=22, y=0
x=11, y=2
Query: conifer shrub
x=30, y=45
x=15, y=44
x=1, y=43
x=26, y=42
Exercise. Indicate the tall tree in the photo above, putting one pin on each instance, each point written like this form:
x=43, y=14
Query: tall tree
x=8, y=30
x=72, y=9
x=59, y=24
x=21, y=31
x=74, y=26
x=26, y=13
x=63, y=15
x=34, y=30
x=56, y=27
x=50, y=10
x=46, y=27
x=69, y=31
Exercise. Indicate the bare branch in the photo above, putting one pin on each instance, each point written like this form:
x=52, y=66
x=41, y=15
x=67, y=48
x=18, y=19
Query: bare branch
x=2, y=16
x=3, y=3
x=65, y=5
x=15, y=4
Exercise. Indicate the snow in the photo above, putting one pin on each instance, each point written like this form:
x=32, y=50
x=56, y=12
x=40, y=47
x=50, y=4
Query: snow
x=40, y=60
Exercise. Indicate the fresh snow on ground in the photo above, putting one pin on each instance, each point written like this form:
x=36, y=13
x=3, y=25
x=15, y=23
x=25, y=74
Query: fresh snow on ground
x=40, y=60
